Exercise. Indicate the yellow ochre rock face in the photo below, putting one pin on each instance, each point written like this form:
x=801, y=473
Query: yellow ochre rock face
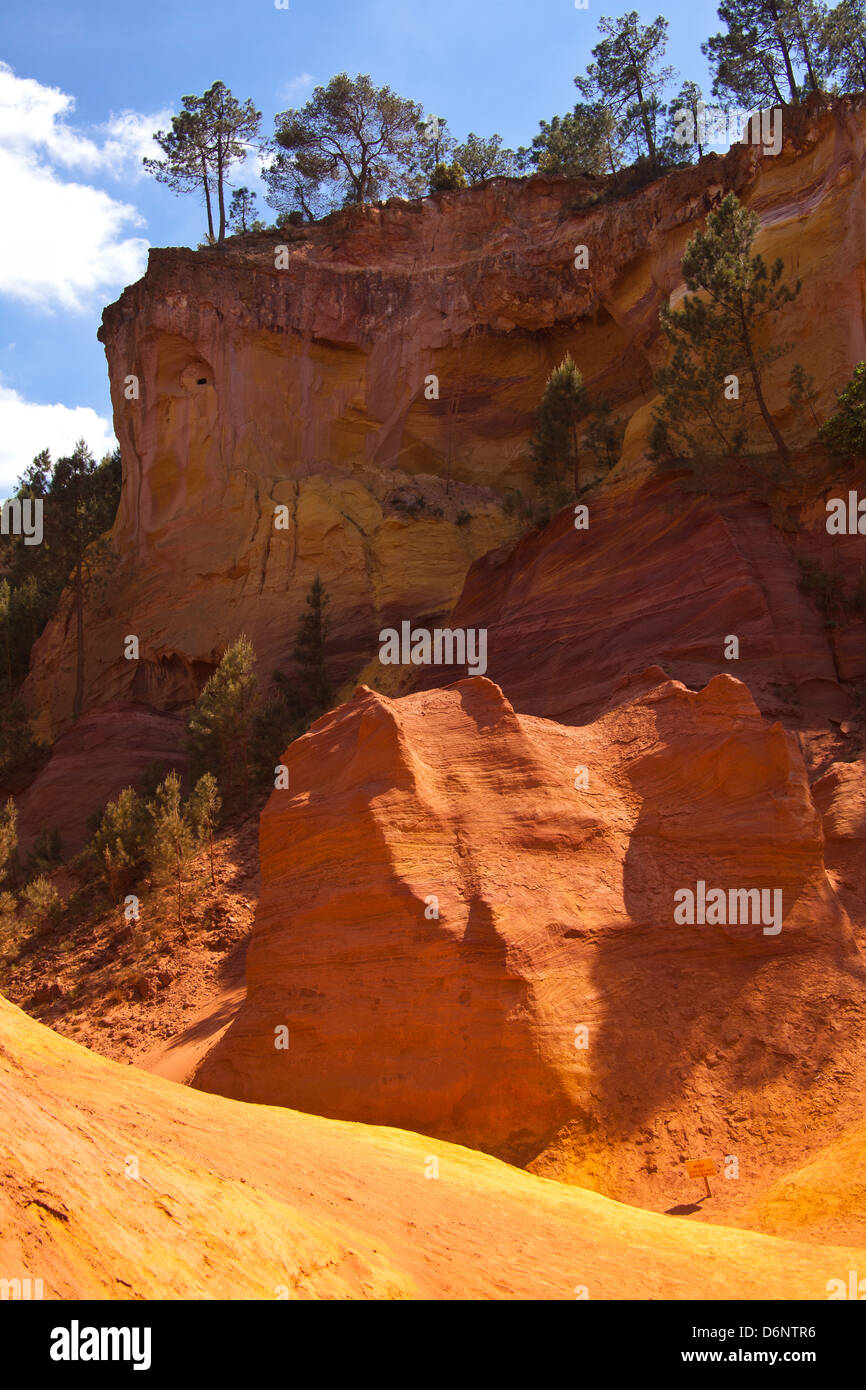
x=119, y=1185
x=377, y=374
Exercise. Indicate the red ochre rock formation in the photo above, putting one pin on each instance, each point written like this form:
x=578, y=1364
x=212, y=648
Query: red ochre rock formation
x=306, y=387
x=840, y=796
x=119, y=1185
x=555, y=913
x=107, y=749
x=659, y=576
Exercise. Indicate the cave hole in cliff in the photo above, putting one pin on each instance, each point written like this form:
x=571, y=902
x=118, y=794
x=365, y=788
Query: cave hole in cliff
x=170, y=680
x=181, y=368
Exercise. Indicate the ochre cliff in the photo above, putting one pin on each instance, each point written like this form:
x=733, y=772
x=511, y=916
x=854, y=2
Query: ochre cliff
x=442, y=909
x=306, y=386
x=663, y=574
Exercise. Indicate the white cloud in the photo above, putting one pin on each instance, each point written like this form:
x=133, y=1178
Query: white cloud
x=68, y=241
x=65, y=241
x=34, y=117
x=296, y=87
x=129, y=139
x=27, y=427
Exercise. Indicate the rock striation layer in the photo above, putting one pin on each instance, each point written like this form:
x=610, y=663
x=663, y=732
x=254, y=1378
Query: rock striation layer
x=663, y=576
x=459, y=938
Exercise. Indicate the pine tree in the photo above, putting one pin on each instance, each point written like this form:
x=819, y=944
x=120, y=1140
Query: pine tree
x=119, y=843
x=242, y=210
x=584, y=141
x=604, y=436
x=209, y=135
x=802, y=391
x=688, y=99
x=351, y=143
x=220, y=726
x=843, y=45
x=555, y=444
x=436, y=146
x=715, y=333
x=172, y=844
x=9, y=842
x=628, y=77
x=309, y=648
x=204, y=811
x=483, y=158
x=844, y=434
x=769, y=52
x=81, y=508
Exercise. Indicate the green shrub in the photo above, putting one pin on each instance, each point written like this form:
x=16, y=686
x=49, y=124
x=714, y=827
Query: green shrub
x=220, y=726
x=9, y=842
x=118, y=849
x=47, y=849
x=447, y=178
x=41, y=902
x=10, y=923
x=844, y=434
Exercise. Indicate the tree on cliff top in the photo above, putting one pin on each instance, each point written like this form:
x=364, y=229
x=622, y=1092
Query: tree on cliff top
x=242, y=212
x=209, y=135
x=584, y=141
x=770, y=52
x=844, y=42
x=714, y=334
x=352, y=143
x=627, y=77
x=483, y=158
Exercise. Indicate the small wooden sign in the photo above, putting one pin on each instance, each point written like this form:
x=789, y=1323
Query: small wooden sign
x=700, y=1168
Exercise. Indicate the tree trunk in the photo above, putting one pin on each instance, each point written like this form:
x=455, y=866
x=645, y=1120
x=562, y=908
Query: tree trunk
x=645, y=117
x=768, y=70
x=762, y=404
x=808, y=59
x=79, y=641
x=179, y=886
x=221, y=193
x=786, y=56
x=207, y=197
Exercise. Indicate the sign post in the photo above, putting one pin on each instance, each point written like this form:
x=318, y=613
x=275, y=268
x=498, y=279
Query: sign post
x=701, y=1168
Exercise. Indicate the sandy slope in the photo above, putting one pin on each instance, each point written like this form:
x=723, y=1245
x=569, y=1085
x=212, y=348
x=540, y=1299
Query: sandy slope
x=235, y=1200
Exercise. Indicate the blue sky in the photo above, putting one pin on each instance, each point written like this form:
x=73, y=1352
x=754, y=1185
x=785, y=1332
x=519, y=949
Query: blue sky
x=85, y=84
